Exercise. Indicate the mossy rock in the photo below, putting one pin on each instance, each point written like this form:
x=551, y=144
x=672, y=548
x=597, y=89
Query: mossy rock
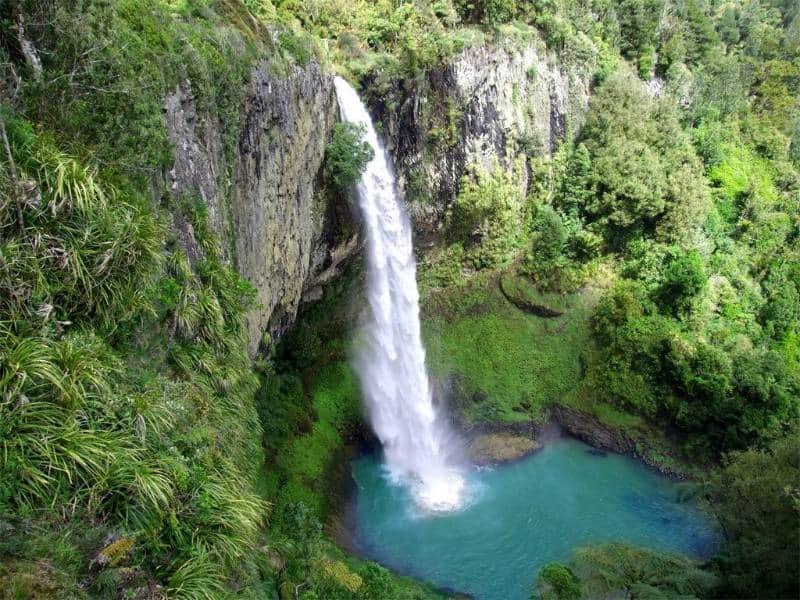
x=522, y=294
x=493, y=448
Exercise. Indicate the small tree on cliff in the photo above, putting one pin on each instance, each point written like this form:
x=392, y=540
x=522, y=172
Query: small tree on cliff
x=347, y=154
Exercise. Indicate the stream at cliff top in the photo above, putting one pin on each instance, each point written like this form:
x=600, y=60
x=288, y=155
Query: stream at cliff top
x=522, y=516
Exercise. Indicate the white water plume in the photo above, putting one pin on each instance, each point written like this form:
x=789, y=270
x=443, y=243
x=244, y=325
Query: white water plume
x=418, y=445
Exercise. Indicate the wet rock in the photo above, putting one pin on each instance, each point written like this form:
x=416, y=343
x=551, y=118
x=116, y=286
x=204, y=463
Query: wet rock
x=587, y=428
x=526, y=305
x=490, y=99
x=268, y=203
x=493, y=448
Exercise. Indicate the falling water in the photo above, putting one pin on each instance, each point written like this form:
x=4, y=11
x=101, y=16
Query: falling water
x=417, y=444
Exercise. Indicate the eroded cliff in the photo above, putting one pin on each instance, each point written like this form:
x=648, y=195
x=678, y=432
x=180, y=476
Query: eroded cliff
x=280, y=223
x=489, y=103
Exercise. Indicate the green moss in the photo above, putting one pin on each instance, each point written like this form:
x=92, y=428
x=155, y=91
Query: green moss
x=522, y=292
x=509, y=364
x=583, y=399
x=310, y=401
x=304, y=462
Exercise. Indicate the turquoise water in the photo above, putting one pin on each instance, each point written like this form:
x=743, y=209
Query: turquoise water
x=522, y=516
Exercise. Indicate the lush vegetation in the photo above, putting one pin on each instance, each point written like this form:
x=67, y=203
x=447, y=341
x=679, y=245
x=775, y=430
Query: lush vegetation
x=647, y=274
x=347, y=154
x=682, y=206
x=124, y=368
x=482, y=346
x=621, y=570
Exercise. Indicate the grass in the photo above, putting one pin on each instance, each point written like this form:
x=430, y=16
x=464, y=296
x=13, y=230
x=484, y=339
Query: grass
x=508, y=365
x=523, y=293
x=303, y=463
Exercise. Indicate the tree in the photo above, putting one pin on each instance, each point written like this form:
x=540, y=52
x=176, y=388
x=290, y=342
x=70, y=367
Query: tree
x=557, y=582
x=626, y=300
x=549, y=235
x=684, y=278
x=575, y=181
x=487, y=12
x=644, y=172
x=487, y=211
x=638, y=20
x=757, y=499
x=347, y=154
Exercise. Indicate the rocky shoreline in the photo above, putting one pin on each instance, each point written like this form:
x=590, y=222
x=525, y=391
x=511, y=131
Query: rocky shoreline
x=587, y=428
x=497, y=443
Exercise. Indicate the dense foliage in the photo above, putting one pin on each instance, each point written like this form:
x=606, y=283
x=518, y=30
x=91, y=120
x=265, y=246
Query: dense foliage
x=347, y=154
x=620, y=570
x=133, y=427
x=121, y=367
x=758, y=500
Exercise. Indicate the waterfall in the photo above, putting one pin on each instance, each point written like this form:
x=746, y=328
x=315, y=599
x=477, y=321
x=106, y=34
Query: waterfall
x=417, y=444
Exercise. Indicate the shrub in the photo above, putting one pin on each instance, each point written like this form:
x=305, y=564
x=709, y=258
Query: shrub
x=347, y=154
x=758, y=508
x=684, y=278
x=623, y=570
x=644, y=173
x=488, y=213
x=549, y=236
x=557, y=582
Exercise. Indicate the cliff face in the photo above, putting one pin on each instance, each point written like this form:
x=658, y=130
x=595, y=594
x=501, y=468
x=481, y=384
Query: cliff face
x=280, y=224
x=278, y=212
x=280, y=228
x=489, y=103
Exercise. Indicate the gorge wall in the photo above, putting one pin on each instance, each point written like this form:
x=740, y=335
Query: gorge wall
x=492, y=102
x=286, y=230
x=280, y=226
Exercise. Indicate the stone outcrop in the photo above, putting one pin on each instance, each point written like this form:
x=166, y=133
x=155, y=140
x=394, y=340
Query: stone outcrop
x=495, y=448
x=278, y=222
x=487, y=104
x=589, y=429
x=279, y=211
x=641, y=445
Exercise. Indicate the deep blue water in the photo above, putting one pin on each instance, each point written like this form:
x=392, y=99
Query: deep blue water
x=522, y=516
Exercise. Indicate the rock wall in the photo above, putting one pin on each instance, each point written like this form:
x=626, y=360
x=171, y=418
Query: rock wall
x=489, y=103
x=279, y=224
x=279, y=211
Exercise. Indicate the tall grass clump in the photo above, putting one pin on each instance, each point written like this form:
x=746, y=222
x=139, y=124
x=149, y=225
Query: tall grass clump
x=125, y=385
